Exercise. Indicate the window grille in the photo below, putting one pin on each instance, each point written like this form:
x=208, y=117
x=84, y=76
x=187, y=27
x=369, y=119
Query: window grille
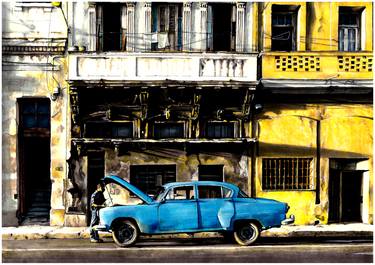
x=149, y=177
x=286, y=173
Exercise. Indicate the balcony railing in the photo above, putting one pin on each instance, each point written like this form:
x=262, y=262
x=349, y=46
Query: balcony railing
x=151, y=66
x=317, y=65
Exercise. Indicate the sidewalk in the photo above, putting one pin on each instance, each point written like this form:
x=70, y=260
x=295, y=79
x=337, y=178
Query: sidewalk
x=319, y=231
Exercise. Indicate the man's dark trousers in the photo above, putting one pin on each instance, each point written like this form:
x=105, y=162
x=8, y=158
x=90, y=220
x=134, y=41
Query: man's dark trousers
x=94, y=221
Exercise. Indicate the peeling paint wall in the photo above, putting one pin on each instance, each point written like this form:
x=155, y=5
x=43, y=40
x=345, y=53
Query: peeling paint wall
x=235, y=166
x=29, y=74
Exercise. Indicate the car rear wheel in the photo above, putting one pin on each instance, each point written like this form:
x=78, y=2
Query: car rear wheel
x=246, y=234
x=125, y=233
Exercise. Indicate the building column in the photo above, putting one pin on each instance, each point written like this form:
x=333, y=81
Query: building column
x=186, y=27
x=203, y=11
x=92, y=28
x=130, y=44
x=240, y=27
x=147, y=30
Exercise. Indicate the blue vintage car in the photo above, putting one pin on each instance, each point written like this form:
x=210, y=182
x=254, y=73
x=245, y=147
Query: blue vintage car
x=187, y=207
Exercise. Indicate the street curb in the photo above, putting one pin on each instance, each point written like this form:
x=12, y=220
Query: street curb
x=49, y=232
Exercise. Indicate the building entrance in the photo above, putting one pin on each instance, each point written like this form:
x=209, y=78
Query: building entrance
x=345, y=192
x=34, y=186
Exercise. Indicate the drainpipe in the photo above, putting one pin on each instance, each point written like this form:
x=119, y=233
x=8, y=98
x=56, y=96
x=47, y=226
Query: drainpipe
x=317, y=188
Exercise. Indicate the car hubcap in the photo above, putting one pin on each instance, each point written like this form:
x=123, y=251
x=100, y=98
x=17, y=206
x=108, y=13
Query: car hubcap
x=125, y=233
x=246, y=233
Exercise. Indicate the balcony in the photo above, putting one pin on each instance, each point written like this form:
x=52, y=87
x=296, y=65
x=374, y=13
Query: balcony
x=143, y=67
x=318, y=65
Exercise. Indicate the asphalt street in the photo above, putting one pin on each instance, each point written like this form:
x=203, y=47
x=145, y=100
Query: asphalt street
x=280, y=250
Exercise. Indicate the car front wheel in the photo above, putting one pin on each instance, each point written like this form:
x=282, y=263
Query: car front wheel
x=246, y=234
x=125, y=233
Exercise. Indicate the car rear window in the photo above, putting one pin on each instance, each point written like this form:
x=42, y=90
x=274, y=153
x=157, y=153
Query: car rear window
x=213, y=192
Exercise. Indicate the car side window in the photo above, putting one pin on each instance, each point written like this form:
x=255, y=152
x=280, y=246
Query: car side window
x=213, y=192
x=181, y=193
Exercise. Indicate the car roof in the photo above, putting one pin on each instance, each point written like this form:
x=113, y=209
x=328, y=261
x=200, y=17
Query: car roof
x=224, y=184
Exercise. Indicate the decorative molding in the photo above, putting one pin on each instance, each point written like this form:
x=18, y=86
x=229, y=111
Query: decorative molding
x=13, y=49
x=240, y=27
x=130, y=43
x=186, y=26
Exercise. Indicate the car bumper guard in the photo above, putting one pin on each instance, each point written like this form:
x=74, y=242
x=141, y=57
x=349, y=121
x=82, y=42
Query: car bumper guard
x=289, y=220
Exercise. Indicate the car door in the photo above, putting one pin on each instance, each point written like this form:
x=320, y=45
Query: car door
x=178, y=211
x=215, y=207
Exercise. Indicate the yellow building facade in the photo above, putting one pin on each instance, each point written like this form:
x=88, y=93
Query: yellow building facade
x=315, y=129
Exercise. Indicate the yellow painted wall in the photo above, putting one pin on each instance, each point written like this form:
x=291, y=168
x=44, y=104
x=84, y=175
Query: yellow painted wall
x=290, y=131
x=317, y=24
x=324, y=21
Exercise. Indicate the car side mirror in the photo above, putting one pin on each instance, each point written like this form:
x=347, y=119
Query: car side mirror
x=163, y=200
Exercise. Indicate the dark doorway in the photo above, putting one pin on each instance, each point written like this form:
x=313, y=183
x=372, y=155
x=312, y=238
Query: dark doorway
x=110, y=33
x=95, y=172
x=345, y=193
x=211, y=172
x=34, y=187
x=223, y=28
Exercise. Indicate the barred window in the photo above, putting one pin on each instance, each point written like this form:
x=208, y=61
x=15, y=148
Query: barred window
x=286, y=173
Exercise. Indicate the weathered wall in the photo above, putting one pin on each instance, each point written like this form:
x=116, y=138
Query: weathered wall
x=235, y=165
x=291, y=131
x=33, y=82
x=31, y=75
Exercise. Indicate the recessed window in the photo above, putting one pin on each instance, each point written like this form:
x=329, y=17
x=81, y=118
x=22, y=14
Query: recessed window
x=287, y=173
x=284, y=28
x=221, y=27
x=166, y=26
x=109, y=129
x=163, y=130
x=211, y=172
x=111, y=36
x=149, y=178
x=349, y=28
x=220, y=130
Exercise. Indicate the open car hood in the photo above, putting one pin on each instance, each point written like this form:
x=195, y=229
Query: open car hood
x=116, y=179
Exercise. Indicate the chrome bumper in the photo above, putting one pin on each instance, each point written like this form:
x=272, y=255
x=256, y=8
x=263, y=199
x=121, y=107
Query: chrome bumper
x=100, y=228
x=289, y=220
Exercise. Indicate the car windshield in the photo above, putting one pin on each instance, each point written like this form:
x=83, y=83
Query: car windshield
x=159, y=193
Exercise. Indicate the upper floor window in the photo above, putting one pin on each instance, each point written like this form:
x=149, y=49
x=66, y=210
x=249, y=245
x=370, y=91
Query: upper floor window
x=109, y=129
x=284, y=28
x=220, y=130
x=164, y=130
x=221, y=27
x=111, y=32
x=349, y=28
x=166, y=26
